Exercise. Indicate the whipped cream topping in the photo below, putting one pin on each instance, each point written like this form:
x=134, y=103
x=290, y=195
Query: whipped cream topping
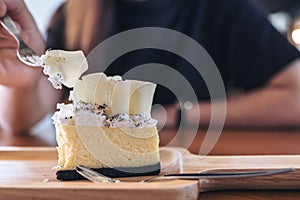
x=85, y=114
x=55, y=79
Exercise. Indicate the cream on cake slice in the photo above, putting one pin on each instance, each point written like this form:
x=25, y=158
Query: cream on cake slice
x=108, y=125
x=64, y=67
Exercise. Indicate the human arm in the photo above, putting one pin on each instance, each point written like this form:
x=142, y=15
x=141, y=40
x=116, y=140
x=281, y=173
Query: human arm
x=26, y=95
x=277, y=103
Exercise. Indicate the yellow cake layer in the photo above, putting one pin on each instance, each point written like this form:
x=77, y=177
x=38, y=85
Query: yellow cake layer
x=98, y=147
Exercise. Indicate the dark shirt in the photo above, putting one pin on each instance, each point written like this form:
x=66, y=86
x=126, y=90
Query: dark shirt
x=247, y=50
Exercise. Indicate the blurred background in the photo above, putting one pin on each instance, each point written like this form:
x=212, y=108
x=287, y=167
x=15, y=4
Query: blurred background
x=42, y=11
x=283, y=14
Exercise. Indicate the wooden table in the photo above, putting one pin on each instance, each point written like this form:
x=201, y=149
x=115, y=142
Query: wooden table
x=231, y=142
x=250, y=195
x=34, y=166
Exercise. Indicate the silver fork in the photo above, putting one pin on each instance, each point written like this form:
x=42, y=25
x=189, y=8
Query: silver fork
x=24, y=53
x=96, y=177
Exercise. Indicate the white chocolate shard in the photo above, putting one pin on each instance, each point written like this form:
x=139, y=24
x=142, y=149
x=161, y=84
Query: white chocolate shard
x=110, y=84
x=85, y=89
x=103, y=92
x=79, y=92
x=141, y=97
x=91, y=82
x=120, y=98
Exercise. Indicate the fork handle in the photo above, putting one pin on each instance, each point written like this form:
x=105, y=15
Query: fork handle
x=8, y=23
x=10, y=26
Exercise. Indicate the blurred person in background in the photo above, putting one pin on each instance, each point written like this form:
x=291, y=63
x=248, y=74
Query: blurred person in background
x=250, y=54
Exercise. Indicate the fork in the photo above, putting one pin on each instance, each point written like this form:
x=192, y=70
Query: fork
x=24, y=53
x=96, y=177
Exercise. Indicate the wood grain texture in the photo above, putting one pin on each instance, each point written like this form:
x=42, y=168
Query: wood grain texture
x=250, y=195
x=287, y=181
x=28, y=153
x=85, y=190
x=26, y=174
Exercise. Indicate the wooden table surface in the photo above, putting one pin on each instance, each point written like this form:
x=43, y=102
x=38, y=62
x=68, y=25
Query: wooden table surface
x=231, y=142
x=34, y=165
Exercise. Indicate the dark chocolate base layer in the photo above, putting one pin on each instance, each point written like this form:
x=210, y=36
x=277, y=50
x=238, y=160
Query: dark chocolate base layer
x=69, y=175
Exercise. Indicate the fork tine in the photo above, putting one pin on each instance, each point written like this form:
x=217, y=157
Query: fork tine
x=34, y=59
x=28, y=60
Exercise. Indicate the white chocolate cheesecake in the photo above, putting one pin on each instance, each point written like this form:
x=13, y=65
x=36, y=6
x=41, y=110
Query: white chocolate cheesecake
x=108, y=126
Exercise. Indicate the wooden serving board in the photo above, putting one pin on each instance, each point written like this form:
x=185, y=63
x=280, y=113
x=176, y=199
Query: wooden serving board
x=26, y=173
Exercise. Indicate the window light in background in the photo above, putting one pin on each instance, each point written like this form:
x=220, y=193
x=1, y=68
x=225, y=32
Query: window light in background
x=281, y=21
x=42, y=12
x=296, y=36
x=295, y=32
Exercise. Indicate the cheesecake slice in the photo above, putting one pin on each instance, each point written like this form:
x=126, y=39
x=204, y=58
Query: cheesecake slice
x=107, y=126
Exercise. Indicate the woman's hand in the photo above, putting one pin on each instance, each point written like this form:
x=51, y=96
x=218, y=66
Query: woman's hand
x=26, y=94
x=14, y=73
